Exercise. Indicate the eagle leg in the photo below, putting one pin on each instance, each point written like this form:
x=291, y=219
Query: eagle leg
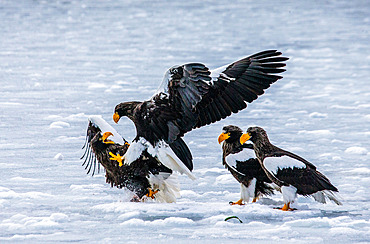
x=255, y=199
x=117, y=157
x=287, y=207
x=152, y=193
x=239, y=202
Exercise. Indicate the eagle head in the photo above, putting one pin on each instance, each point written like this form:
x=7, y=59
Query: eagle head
x=124, y=109
x=230, y=133
x=254, y=134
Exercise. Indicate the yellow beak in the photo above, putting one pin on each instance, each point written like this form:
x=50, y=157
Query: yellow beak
x=244, y=138
x=116, y=117
x=223, y=137
x=105, y=136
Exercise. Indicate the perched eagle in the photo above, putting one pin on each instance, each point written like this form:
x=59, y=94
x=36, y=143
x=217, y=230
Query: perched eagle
x=242, y=163
x=146, y=176
x=289, y=171
x=191, y=96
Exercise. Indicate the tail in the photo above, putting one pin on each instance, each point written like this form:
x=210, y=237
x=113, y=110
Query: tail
x=321, y=197
x=168, y=158
x=263, y=189
x=168, y=186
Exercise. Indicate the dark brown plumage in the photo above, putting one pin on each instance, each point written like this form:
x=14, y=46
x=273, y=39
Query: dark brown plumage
x=289, y=171
x=191, y=96
x=240, y=160
x=134, y=177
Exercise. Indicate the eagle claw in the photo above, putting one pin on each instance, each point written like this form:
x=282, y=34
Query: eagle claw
x=151, y=193
x=239, y=202
x=287, y=207
x=117, y=157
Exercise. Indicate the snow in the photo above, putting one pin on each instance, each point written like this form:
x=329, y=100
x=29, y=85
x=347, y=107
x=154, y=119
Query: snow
x=59, y=156
x=356, y=150
x=64, y=60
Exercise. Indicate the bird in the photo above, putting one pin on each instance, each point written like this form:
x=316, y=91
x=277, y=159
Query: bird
x=242, y=163
x=292, y=173
x=191, y=96
x=146, y=177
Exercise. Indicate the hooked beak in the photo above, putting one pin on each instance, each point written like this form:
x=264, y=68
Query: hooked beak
x=105, y=136
x=223, y=137
x=244, y=138
x=116, y=117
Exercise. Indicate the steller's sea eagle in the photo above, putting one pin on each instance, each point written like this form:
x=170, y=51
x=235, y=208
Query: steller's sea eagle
x=242, y=163
x=145, y=177
x=191, y=96
x=289, y=171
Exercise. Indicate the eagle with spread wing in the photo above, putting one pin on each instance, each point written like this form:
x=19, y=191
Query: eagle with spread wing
x=146, y=177
x=190, y=97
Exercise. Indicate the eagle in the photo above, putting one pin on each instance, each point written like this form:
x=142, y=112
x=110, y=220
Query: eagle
x=242, y=163
x=146, y=177
x=292, y=173
x=191, y=96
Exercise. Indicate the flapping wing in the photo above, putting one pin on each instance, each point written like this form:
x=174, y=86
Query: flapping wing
x=89, y=156
x=96, y=127
x=98, y=122
x=238, y=84
x=201, y=100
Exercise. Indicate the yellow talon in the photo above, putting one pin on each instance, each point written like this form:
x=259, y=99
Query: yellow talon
x=151, y=193
x=255, y=199
x=117, y=157
x=126, y=143
x=287, y=207
x=239, y=202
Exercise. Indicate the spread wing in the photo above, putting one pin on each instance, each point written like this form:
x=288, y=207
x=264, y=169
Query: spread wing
x=197, y=99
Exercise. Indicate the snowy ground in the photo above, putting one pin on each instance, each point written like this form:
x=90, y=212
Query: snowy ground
x=63, y=60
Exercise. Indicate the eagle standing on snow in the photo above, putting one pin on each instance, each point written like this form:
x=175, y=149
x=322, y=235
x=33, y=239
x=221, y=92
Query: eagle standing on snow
x=191, y=96
x=289, y=171
x=242, y=163
x=144, y=177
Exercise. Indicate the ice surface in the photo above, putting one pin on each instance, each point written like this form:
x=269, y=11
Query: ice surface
x=64, y=60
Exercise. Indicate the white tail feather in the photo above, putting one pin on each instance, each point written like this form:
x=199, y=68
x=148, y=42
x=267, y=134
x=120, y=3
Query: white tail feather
x=321, y=197
x=168, y=186
x=169, y=159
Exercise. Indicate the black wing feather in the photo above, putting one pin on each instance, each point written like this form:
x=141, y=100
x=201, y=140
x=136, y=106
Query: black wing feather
x=307, y=180
x=191, y=99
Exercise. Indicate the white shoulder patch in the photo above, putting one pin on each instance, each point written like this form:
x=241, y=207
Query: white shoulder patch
x=241, y=156
x=135, y=150
x=98, y=121
x=168, y=158
x=272, y=164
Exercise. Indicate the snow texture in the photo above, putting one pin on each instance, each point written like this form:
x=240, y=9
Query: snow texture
x=64, y=60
